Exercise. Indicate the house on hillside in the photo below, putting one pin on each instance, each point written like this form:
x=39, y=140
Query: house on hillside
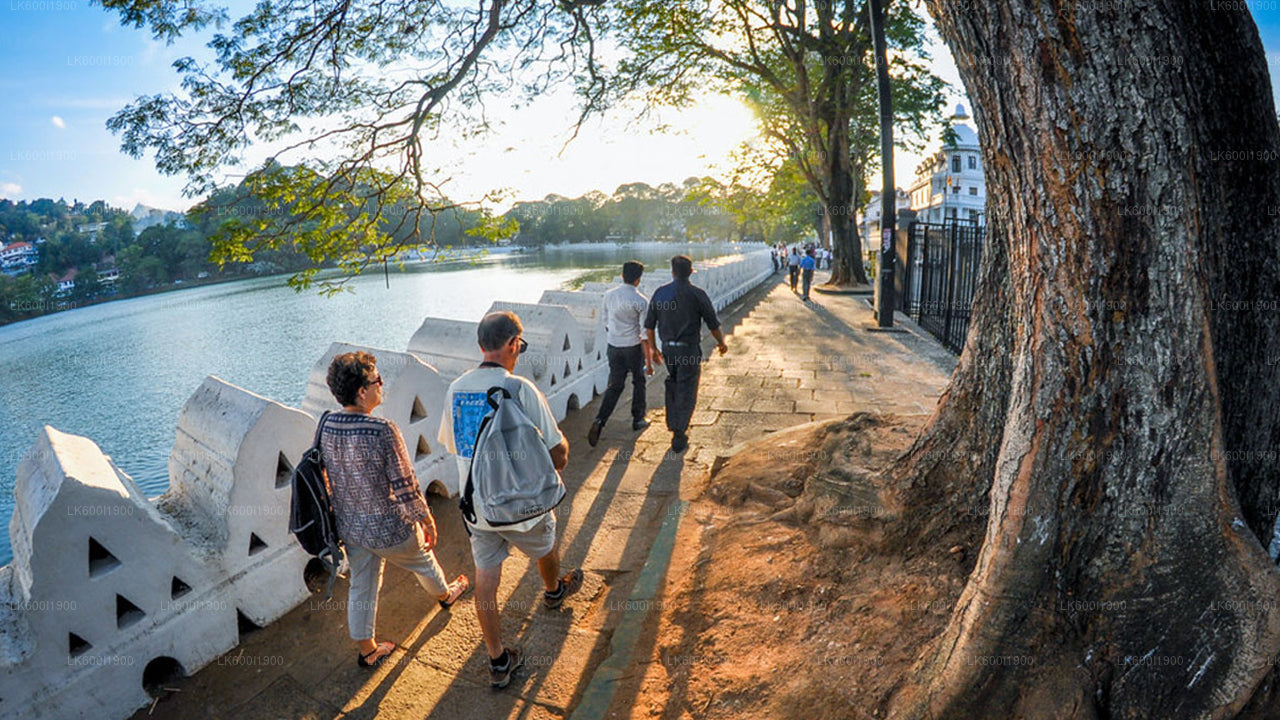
x=93, y=230
x=66, y=283
x=17, y=258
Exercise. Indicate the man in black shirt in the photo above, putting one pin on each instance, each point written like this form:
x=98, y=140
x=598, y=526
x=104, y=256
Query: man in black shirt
x=678, y=310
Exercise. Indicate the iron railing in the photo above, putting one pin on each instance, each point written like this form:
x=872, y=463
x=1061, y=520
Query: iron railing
x=940, y=277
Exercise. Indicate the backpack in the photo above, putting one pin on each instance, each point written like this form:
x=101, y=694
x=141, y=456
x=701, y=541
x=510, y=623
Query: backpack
x=311, y=518
x=512, y=478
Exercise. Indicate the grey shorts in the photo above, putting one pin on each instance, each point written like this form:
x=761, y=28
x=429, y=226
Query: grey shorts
x=489, y=547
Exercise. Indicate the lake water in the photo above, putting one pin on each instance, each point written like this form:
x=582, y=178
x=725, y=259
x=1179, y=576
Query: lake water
x=120, y=372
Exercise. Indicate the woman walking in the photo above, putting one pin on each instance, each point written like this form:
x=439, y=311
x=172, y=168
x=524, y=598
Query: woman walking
x=381, y=513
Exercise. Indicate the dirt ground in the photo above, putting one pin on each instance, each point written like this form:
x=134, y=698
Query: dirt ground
x=784, y=600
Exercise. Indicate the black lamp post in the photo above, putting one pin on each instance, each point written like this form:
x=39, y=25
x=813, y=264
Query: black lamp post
x=885, y=300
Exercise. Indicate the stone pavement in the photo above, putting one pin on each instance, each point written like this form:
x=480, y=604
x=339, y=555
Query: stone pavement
x=789, y=363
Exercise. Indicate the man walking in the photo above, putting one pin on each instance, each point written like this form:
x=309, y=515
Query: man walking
x=628, y=351
x=793, y=267
x=466, y=404
x=807, y=264
x=678, y=310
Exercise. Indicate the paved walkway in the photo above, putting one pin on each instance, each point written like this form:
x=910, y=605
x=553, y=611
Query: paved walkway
x=789, y=363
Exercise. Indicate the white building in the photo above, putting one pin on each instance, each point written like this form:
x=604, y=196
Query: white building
x=18, y=257
x=67, y=282
x=93, y=230
x=949, y=185
x=869, y=224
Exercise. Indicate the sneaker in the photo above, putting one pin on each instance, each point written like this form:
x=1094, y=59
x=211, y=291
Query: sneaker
x=679, y=442
x=500, y=675
x=593, y=435
x=568, y=585
x=639, y=425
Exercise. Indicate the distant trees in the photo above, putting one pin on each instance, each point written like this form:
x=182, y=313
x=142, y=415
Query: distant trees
x=697, y=209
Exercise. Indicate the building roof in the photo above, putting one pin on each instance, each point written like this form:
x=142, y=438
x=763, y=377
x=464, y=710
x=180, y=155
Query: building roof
x=15, y=246
x=966, y=138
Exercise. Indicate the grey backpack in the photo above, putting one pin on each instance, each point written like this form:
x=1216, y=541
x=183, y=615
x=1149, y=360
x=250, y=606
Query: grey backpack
x=512, y=478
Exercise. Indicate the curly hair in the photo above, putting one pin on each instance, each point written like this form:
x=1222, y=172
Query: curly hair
x=348, y=373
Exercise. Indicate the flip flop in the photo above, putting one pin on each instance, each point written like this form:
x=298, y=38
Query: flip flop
x=365, y=662
x=457, y=589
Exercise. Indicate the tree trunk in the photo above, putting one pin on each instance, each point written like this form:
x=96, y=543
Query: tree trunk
x=846, y=261
x=1117, y=398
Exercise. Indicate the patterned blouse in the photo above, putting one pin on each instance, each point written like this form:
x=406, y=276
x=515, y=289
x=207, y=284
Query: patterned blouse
x=375, y=491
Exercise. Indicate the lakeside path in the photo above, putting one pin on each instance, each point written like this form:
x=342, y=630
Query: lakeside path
x=788, y=364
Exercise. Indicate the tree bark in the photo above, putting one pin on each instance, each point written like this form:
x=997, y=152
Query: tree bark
x=846, y=261
x=1116, y=401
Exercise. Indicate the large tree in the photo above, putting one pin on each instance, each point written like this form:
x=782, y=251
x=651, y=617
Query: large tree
x=1115, y=408
x=807, y=69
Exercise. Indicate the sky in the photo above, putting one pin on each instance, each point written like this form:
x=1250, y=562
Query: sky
x=66, y=66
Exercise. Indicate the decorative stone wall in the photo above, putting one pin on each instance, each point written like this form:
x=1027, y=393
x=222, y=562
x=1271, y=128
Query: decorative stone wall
x=109, y=590
x=107, y=586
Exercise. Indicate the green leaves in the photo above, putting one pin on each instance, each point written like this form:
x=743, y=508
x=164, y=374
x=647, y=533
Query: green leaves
x=344, y=96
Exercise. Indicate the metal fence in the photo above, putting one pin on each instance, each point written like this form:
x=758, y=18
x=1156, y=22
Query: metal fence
x=940, y=277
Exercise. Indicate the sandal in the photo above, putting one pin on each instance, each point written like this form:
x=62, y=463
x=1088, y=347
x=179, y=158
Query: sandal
x=457, y=589
x=365, y=662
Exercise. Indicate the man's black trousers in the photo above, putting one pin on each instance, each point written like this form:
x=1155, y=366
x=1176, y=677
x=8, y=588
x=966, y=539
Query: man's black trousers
x=624, y=360
x=684, y=367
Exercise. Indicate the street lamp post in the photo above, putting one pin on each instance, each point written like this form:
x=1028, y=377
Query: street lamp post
x=885, y=300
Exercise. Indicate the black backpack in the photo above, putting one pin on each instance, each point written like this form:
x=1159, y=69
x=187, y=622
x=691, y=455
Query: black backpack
x=311, y=517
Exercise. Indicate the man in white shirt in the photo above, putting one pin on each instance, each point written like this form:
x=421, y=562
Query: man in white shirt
x=624, y=309
x=465, y=406
x=793, y=267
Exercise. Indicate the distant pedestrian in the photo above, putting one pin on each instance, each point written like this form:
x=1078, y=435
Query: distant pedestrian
x=807, y=265
x=381, y=513
x=628, y=351
x=793, y=267
x=773, y=256
x=678, y=311
x=466, y=404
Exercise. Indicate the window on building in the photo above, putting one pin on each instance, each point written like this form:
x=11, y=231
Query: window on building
x=955, y=189
x=973, y=215
x=973, y=162
x=973, y=191
x=951, y=213
x=955, y=163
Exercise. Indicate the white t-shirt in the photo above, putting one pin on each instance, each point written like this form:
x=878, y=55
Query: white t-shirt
x=465, y=405
x=624, y=309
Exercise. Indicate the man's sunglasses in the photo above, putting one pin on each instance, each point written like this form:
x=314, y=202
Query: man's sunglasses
x=524, y=345
x=375, y=381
